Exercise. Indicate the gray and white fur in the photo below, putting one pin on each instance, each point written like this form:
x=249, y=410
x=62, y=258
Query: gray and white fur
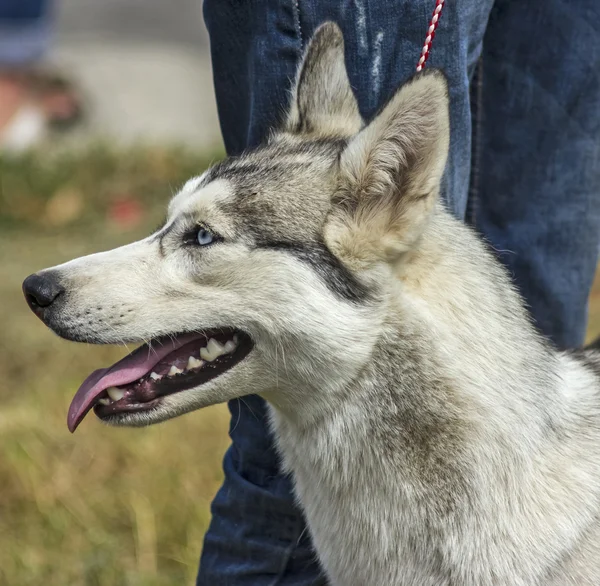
x=434, y=437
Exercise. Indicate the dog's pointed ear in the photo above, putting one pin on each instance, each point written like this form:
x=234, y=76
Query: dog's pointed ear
x=323, y=103
x=390, y=173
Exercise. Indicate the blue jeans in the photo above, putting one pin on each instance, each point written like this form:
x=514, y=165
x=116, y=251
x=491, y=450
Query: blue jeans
x=524, y=169
x=25, y=31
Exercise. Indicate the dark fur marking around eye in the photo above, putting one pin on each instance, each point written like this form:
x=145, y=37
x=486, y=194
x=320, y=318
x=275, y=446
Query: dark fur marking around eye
x=160, y=237
x=167, y=229
x=328, y=267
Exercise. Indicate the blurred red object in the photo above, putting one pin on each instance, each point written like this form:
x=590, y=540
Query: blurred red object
x=126, y=212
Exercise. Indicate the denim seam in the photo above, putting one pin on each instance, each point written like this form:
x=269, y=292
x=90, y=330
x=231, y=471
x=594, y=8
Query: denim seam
x=296, y=8
x=477, y=122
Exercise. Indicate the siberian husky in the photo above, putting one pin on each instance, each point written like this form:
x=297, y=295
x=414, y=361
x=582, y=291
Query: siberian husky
x=434, y=437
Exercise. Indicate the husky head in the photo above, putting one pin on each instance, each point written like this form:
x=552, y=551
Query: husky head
x=272, y=269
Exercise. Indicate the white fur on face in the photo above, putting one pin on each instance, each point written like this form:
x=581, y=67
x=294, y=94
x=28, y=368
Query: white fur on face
x=136, y=292
x=202, y=201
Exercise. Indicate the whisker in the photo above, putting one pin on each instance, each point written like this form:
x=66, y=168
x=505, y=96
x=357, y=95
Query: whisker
x=283, y=358
x=249, y=408
x=238, y=418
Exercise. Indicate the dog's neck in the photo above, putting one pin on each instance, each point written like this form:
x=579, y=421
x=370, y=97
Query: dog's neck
x=452, y=324
x=427, y=445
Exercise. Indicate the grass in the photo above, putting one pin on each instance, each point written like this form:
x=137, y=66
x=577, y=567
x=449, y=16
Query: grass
x=106, y=506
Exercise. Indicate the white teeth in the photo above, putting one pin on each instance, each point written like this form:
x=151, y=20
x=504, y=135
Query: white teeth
x=104, y=401
x=194, y=363
x=155, y=376
x=230, y=346
x=213, y=350
x=115, y=394
x=174, y=370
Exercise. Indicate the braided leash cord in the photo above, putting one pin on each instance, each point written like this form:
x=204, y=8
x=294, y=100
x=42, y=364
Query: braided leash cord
x=439, y=4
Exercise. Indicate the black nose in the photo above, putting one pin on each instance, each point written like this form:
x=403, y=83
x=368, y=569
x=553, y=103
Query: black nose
x=41, y=291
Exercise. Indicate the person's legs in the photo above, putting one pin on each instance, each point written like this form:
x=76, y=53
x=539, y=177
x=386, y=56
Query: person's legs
x=257, y=535
x=537, y=161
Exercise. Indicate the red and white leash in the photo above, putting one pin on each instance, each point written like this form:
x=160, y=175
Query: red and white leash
x=439, y=4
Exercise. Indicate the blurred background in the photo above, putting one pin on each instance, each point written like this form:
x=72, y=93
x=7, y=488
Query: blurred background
x=96, y=133
x=106, y=108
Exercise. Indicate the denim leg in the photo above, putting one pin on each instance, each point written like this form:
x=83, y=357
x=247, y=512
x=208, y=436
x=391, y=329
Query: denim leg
x=25, y=31
x=257, y=535
x=538, y=155
x=255, y=48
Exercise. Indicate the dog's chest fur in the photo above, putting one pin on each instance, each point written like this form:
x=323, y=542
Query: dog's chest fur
x=409, y=480
x=360, y=521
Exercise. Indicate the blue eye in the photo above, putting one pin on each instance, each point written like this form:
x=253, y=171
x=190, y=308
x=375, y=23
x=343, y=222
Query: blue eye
x=204, y=237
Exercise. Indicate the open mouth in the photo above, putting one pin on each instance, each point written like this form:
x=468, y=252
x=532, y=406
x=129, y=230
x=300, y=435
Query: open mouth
x=164, y=366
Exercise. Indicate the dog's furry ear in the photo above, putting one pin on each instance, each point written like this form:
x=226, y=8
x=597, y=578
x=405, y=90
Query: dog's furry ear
x=323, y=103
x=390, y=173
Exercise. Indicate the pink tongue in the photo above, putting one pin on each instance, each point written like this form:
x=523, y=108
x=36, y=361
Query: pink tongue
x=134, y=366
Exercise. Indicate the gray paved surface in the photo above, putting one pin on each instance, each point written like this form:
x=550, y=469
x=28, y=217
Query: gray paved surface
x=144, y=67
x=162, y=21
